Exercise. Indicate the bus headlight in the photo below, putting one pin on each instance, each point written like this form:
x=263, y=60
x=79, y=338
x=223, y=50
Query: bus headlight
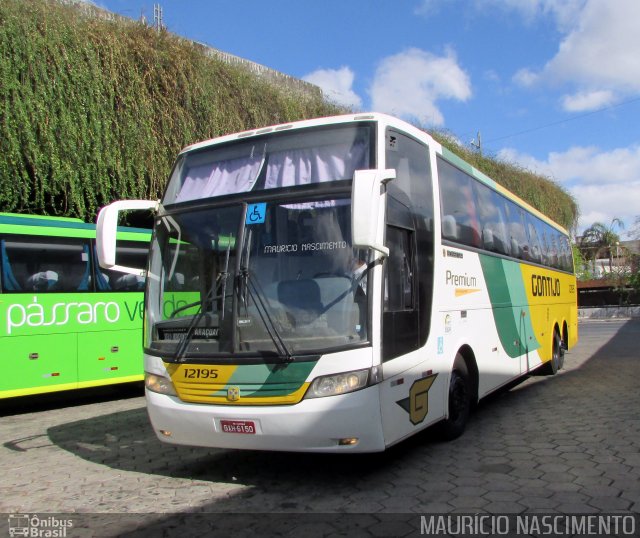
x=332, y=385
x=159, y=384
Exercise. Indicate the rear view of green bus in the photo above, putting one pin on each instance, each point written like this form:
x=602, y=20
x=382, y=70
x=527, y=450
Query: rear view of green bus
x=65, y=323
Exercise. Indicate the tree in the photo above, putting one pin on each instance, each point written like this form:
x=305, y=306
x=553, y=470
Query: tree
x=599, y=240
x=581, y=265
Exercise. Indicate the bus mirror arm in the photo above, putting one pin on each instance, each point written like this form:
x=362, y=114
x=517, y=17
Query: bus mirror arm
x=106, y=230
x=366, y=194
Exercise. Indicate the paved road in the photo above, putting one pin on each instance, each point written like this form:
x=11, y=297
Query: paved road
x=563, y=444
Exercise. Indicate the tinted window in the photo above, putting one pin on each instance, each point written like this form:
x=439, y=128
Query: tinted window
x=565, y=257
x=543, y=231
x=410, y=159
x=129, y=254
x=474, y=214
x=399, y=275
x=459, y=212
x=534, y=240
x=519, y=243
x=45, y=264
x=554, y=248
x=493, y=220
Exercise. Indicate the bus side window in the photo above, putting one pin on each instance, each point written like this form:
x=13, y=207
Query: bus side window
x=491, y=208
x=458, y=201
x=130, y=254
x=399, y=275
x=543, y=230
x=534, y=240
x=45, y=264
x=9, y=282
x=517, y=232
x=554, y=259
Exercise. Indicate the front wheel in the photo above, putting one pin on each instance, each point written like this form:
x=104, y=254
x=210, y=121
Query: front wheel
x=459, y=401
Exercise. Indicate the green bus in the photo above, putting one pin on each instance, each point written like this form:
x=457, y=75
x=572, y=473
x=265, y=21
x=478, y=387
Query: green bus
x=65, y=323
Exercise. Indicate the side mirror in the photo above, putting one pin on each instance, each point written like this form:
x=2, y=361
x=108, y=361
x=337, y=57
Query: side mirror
x=366, y=193
x=106, y=232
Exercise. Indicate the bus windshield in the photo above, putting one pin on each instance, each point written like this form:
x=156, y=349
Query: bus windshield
x=271, y=278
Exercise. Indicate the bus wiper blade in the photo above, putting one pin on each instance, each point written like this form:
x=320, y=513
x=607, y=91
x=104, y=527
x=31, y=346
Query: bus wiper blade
x=223, y=275
x=247, y=285
x=178, y=356
x=269, y=324
x=212, y=295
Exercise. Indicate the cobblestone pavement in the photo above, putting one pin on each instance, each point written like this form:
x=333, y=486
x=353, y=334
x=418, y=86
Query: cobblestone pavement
x=563, y=444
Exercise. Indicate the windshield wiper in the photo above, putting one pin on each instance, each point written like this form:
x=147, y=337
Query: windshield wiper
x=247, y=285
x=224, y=274
x=269, y=324
x=212, y=295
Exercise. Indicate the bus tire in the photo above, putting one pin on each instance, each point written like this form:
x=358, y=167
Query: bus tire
x=459, y=401
x=557, y=355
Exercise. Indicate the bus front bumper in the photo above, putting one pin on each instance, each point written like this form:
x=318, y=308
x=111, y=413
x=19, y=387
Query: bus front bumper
x=346, y=423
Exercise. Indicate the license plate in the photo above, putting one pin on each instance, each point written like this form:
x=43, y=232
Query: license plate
x=238, y=426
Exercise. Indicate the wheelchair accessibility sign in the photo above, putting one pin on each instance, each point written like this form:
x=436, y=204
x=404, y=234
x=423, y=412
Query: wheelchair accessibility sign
x=256, y=213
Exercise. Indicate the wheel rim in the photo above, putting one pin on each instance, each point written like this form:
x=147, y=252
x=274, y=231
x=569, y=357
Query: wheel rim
x=558, y=355
x=458, y=397
x=559, y=352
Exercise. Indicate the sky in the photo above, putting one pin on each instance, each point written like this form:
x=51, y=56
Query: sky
x=552, y=85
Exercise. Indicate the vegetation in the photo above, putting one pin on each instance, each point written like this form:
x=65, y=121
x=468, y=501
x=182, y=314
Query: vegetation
x=93, y=110
x=600, y=240
x=632, y=259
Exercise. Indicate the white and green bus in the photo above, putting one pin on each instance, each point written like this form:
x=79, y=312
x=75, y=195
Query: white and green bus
x=337, y=285
x=64, y=323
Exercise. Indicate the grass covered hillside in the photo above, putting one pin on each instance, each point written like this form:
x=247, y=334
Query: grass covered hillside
x=93, y=110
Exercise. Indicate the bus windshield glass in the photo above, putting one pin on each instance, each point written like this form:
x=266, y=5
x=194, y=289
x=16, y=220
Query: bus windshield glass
x=274, y=161
x=270, y=278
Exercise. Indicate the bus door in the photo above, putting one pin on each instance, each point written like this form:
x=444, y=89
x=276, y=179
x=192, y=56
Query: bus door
x=401, y=358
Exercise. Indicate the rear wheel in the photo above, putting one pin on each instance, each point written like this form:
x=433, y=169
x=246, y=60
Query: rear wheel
x=557, y=356
x=459, y=401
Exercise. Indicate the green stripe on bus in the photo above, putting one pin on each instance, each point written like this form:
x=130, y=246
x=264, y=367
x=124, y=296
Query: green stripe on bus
x=509, y=305
x=270, y=379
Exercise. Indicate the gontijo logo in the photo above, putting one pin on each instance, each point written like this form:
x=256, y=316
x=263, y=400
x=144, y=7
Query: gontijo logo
x=545, y=286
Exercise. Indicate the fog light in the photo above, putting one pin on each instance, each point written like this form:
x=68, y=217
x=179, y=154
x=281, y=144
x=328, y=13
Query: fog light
x=166, y=433
x=347, y=441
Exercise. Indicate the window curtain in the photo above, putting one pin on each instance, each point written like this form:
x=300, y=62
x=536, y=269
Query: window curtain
x=305, y=166
x=220, y=178
x=287, y=168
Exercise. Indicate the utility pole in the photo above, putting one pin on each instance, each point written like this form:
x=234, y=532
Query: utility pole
x=477, y=143
x=157, y=17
